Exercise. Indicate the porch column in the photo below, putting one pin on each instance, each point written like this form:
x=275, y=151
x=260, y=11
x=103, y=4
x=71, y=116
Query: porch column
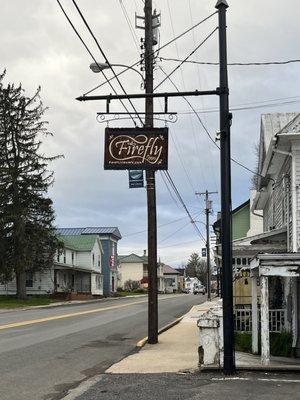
x=254, y=315
x=265, y=334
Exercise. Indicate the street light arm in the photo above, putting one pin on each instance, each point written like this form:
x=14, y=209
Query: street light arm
x=97, y=67
x=133, y=69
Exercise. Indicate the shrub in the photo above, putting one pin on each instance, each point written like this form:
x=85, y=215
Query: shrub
x=242, y=341
x=281, y=344
x=131, y=285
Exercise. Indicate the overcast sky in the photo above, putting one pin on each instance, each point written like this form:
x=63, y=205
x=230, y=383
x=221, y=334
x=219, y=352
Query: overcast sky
x=38, y=47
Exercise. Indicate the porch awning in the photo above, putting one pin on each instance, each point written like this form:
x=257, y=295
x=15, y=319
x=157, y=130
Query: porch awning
x=276, y=264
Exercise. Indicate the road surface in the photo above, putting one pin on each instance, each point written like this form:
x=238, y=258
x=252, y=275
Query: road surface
x=45, y=352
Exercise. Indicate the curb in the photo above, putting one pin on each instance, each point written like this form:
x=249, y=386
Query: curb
x=141, y=343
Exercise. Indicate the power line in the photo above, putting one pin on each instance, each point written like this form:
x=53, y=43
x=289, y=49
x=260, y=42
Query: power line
x=159, y=226
x=231, y=64
x=183, y=61
x=91, y=55
x=173, y=186
x=207, y=132
x=177, y=244
x=156, y=51
x=173, y=233
x=254, y=107
x=105, y=58
x=131, y=29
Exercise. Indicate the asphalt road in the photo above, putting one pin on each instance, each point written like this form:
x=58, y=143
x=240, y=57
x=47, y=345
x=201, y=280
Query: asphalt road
x=45, y=352
x=205, y=386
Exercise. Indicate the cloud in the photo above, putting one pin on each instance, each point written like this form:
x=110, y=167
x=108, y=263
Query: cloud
x=39, y=48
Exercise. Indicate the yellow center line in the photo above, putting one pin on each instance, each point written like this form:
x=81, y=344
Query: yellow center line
x=75, y=314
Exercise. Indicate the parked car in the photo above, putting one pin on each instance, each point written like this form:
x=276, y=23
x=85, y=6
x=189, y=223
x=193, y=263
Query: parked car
x=199, y=290
x=185, y=290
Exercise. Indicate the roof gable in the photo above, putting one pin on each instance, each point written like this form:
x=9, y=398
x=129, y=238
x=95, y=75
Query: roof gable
x=132, y=258
x=169, y=270
x=79, y=242
x=293, y=126
x=271, y=124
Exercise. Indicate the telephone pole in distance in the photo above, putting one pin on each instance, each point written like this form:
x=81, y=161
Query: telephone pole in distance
x=208, y=208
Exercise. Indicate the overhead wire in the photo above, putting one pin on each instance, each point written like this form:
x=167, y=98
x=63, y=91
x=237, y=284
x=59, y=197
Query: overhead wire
x=155, y=51
x=131, y=29
x=187, y=57
x=173, y=136
x=91, y=55
x=105, y=57
x=178, y=195
x=232, y=64
x=197, y=142
x=208, y=133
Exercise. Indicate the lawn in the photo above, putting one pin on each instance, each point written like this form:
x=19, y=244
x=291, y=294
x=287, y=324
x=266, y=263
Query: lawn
x=126, y=293
x=7, y=302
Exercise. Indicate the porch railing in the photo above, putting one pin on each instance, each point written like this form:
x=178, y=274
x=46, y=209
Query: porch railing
x=243, y=320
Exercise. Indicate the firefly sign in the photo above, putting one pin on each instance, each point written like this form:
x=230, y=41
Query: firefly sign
x=136, y=148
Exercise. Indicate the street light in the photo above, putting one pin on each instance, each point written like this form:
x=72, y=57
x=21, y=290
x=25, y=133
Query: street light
x=98, y=67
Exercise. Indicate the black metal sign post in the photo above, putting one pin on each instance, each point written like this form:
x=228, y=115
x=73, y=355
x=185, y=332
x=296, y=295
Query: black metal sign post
x=225, y=158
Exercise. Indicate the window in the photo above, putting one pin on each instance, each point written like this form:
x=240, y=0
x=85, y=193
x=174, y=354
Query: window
x=233, y=261
x=29, y=279
x=244, y=261
x=238, y=261
x=93, y=258
x=99, y=261
x=72, y=257
x=57, y=256
x=65, y=256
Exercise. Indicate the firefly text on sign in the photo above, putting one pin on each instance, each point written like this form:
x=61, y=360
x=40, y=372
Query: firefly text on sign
x=137, y=148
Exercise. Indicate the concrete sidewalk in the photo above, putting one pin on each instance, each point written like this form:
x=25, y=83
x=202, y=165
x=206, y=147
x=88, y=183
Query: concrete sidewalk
x=176, y=351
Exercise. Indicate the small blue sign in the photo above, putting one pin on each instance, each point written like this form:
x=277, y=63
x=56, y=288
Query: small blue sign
x=136, y=179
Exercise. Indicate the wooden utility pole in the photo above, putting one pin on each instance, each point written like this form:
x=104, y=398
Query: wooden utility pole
x=151, y=191
x=207, y=212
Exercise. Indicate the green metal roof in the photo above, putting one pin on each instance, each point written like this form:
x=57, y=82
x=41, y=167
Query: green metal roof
x=133, y=258
x=79, y=242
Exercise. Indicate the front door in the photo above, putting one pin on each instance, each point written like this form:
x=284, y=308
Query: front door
x=113, y=283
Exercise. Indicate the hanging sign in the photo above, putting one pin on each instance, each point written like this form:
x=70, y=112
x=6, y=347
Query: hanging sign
x=203, y=251
x=136, y=179
x=136, y=148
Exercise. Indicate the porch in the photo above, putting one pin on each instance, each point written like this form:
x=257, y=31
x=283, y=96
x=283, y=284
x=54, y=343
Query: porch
x=71, y=280
x=277, y=275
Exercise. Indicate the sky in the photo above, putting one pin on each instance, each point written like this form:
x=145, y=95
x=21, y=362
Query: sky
x=39, y=48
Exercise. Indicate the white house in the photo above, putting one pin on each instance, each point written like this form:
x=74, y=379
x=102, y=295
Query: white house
x=77, y=270
x=278, y=199
x=171, y=279
x=192, y=283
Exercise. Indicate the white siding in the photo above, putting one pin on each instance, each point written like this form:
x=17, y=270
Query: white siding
x=84, y=260
x=43, y=283
x=96, y=280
